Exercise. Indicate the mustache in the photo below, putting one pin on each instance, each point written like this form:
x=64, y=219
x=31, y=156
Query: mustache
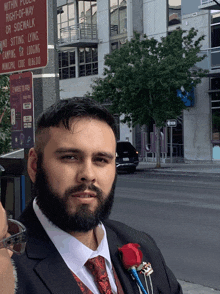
x=82, y=188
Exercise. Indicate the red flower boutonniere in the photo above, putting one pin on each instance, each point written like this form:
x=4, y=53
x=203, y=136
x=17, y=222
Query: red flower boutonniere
x=131, y=257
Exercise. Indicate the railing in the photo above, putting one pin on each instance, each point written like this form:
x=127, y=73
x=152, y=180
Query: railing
x=78, y=32
x=212, y=61
x=208, y=1
x=177, y=150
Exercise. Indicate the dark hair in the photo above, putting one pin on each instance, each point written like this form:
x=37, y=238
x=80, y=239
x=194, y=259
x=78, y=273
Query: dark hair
x=62, y=111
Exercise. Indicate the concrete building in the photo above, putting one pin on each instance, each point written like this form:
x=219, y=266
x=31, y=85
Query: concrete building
x=88, y=30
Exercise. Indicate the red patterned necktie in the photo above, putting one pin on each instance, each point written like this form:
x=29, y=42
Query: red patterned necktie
x=97, y=267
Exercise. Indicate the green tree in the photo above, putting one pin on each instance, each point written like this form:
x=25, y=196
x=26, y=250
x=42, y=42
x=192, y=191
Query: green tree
x=5, y=124
x=141, y=78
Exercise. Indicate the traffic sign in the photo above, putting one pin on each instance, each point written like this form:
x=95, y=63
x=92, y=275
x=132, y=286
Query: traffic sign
x=23, y=35
x=22, y=110
x=171, y=123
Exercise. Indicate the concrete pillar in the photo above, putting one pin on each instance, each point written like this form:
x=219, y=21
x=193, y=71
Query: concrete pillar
x=46, y=80
x=197, y=126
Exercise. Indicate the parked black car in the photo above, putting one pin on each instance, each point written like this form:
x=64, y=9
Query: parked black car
x=126, y=157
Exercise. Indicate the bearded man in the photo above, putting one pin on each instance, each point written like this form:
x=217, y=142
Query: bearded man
x=72, y=245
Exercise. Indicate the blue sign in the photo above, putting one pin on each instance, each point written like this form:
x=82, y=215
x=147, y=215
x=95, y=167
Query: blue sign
x=187, y=97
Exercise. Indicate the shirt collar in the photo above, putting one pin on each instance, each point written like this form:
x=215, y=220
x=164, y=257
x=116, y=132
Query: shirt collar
x=74, y=253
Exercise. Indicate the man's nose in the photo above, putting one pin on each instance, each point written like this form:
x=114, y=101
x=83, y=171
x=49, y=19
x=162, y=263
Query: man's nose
x=86, y=172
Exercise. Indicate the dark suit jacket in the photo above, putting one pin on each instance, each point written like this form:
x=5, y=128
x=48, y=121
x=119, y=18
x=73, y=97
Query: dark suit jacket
x=41, y=270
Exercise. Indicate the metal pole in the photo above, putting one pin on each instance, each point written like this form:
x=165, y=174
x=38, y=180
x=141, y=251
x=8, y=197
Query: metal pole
x=171, y=144
x=45, y=82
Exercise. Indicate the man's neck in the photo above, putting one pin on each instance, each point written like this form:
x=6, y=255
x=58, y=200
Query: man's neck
x=88, y=239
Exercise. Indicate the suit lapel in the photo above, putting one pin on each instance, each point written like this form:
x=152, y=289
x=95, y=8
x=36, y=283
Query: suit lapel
x=57, y=277
x=127, y=282
x=49, y=265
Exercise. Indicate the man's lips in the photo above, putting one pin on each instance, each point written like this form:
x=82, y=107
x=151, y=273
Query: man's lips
x=84, y=194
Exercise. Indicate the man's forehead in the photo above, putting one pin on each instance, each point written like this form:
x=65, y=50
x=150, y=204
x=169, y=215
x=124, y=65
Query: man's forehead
x=77, y=127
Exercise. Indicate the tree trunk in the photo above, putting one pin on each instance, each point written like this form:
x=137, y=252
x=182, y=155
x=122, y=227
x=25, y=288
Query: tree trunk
x=158, y=147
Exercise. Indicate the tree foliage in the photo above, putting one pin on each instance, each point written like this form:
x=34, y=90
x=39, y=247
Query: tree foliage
x=5, y=124
x=141, y=78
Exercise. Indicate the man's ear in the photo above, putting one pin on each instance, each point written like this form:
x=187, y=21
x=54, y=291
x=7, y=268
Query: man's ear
x=32, y=164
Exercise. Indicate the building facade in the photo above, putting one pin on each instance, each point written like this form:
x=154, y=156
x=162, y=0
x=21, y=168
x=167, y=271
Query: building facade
x=88, y=30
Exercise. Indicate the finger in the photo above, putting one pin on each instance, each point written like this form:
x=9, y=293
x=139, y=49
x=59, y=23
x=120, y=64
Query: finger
x=3, y=222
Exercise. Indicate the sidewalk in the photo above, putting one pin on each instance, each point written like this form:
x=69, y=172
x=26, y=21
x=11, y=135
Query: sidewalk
x=212, y=168
x=189, y=288
x=181, y=167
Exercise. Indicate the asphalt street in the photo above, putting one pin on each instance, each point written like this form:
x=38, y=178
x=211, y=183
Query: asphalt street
x=181, y=211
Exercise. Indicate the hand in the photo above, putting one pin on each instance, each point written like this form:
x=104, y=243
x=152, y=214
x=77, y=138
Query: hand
x=7, y=279
x=4, y=228
x=3, y=223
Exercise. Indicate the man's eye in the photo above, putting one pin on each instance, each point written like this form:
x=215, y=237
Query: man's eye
x=69, y=157
x=102, y=160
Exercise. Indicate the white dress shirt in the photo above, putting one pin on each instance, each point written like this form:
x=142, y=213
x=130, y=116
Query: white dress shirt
x=75, y=254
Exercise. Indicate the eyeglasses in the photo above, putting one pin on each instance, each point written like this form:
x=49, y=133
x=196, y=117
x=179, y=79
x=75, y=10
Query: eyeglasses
x=17, y=241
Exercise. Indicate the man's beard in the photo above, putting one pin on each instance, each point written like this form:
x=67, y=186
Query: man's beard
x=54, y=206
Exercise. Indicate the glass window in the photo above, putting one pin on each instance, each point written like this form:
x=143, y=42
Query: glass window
x=216, y=124
x=72, y=57
x=94, y=13
x=58, y=31
x=81, y=56
x=65, y=19
x=215, y=35
x=64, y=15
x=65, y=73
x=64, y=59
x=118, y=17
x=71, y=11
x=174, y=7
x=114, y=22
x=215, y=84
x=215, y=39
x=113, y=3
x=94, y=54
x=123, y=19
x=215, y=17
x=95, y=68
x=88, y=53
x=114, y=46
x=88, y=61
x=81, y=11
x=87, y=12
x=117, y=44
x=60, y=59
x=215, y=100
x=72, y=72
x=88, y=69
x=82, y=70
x=67, y=65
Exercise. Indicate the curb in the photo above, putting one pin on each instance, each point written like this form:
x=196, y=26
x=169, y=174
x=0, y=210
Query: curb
x=190, y=288
x=184, y=168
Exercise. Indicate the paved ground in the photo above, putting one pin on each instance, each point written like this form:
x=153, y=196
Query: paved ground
x=183, y=167
x=189, y=288
x=214, y=168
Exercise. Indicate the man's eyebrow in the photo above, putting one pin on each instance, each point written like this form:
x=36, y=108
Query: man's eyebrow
x=105, y=154
x=66, y=150
x=75, y=150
